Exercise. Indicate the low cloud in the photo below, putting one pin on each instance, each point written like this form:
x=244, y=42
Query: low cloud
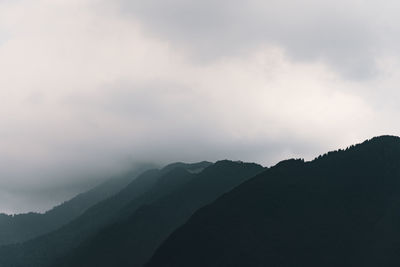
x=87, y=88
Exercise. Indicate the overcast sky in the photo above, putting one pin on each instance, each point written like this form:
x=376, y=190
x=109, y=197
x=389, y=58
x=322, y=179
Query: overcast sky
x=88, y=87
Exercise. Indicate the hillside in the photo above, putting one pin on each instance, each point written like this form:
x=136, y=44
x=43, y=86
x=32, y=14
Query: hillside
x=22, y=227
x=45, y=249
x=340, y=209
x=132, y=241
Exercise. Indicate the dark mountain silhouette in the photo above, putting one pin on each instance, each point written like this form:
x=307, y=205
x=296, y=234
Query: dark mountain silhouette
x=146, y=187
x=341, y=209
x=22, y=227
x=132, y=241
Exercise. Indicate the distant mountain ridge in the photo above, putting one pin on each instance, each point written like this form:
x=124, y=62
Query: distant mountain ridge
x=22, y=227
x=340, y=209
x=131, y=242
x=42, y=250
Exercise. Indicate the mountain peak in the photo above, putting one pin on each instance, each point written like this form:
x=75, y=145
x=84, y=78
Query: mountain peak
x=383, y=140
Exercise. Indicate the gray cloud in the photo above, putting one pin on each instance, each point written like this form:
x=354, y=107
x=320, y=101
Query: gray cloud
x=349, y=35
x=89, y=87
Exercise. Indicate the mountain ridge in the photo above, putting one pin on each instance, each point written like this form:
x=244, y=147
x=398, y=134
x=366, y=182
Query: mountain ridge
x=18, y=228
x=336, y=210
x=43, y=249
x=152, y=222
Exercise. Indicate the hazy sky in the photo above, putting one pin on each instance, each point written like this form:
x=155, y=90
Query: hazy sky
x=88, y=87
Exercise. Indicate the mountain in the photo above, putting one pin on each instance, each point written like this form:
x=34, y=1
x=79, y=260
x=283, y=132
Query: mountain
x=22, y=227
x=149, y=185
x=190, y=167
x=341, y=209
x=132, y=241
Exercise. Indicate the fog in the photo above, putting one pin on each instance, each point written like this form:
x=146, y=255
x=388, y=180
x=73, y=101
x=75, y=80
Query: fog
x=90, y=88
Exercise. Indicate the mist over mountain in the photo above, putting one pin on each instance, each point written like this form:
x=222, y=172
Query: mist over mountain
x=21, y=227
x=146, y=188
x=132, y=241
